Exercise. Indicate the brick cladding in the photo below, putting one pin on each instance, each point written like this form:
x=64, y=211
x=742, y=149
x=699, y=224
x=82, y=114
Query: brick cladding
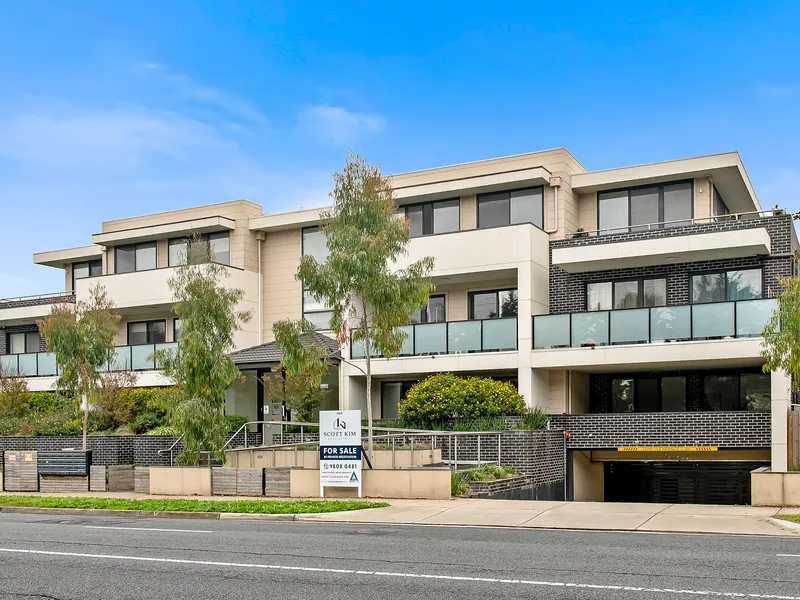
x=4, y=331
x=723, y=429
x=568, y=290
x=110, y=450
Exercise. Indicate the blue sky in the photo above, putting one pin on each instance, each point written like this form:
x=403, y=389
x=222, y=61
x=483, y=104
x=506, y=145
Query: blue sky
x=111, y=109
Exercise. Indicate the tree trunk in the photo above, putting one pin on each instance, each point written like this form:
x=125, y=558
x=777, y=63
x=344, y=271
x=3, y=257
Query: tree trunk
x=367, y=352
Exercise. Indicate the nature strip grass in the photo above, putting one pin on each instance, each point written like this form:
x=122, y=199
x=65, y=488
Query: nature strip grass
x=271, y=507
x=790, y=517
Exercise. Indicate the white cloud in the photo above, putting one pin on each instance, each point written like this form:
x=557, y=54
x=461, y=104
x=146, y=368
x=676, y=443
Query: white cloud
x=338, y=125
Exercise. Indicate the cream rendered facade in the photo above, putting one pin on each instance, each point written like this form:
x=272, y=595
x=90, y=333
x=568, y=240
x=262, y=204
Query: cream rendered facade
x=265, y=250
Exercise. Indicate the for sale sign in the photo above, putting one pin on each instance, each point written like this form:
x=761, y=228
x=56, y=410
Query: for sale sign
x=339, y=449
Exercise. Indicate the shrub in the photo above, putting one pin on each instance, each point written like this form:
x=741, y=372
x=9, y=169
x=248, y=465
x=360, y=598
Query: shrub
x=489, y=473
x=446, y=396
x=42, y=402
x=458, y=487
x=234, y=422
x=146, y=421
x=535, y=418
x=14, y=396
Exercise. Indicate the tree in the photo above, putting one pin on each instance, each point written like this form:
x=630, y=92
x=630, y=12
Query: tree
x=781, y=345
x=303, y=365
x=369, y=298
x=200, y=366
x=82, y=338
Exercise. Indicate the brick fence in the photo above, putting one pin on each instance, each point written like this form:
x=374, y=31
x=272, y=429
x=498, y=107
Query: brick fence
x=723, y=429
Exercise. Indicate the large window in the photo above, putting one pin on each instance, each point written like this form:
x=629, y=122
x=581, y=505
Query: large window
x=634, y=293
x=177, y=329
x=315, y=311
x=643, y=208
x=217, y=246
x=511, y=208
x=23, y=343
x=748, y=391
x=493, y=305
x=147, y=332
x=741, y=284
x=136, y=257
x=443, y=216
x=432, y=312
x=82, y=270
x=648, y=393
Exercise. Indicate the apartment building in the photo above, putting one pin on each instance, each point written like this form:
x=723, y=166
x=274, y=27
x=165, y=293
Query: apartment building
x=628, y=303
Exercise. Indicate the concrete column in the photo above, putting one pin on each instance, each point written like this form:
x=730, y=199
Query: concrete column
x=781, y=399
x=525, y=334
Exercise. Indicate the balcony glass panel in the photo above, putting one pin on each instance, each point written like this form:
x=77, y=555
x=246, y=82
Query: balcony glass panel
x=121, y=359
x=629, y=326
x=499, y=334
x=464, y=336
x=590, y=328
x=8, y=365
x=170, y=347
x=358, y=350
x=27, y=365
x=407, y=349
x=670, y=323
x=431, y=338
x=550, y=331
x=139, y=357
x=47, y=364
x=752, y=316
x=712, y=320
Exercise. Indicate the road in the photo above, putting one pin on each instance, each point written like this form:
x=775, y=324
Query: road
x=76, y=557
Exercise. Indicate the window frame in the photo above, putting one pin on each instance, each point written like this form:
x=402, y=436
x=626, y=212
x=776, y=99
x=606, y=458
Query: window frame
x=175, y=323
x=628, y=228
x=135, y=247
x=430, y=203
x=206, y=238
x=479, y=197
x=426, y=308
x=635, y=377
x=303, y=310
x=737, y=375
x=639, y=280
x=147, y=323
x=694, y=274
x=88, y=263
x=496, y=292
x=24, y=335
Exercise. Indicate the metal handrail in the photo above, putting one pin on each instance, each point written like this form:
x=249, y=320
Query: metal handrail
x=36, y=297
x=687, y=221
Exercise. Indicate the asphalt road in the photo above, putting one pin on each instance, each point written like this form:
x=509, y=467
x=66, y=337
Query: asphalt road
x=70, y=557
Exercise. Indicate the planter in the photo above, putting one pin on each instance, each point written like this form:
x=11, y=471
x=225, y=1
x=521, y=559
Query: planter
x=428, y=483
x=180, y=481
x=774, y=489
x=262, y=458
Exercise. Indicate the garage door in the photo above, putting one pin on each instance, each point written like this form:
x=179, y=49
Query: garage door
x=679, y=483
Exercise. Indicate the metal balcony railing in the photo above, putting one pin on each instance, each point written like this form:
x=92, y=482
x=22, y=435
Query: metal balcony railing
x=453, y=337
x=717, y=320
x=38, y=299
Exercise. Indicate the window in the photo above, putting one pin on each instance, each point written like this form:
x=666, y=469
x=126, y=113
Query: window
x=177, y=330
x=748, y=391
x=82, y=270
x=443, y=216
x=315, y=311
x=23, y=342
x=147, y=332
x=643, y=208
x=648, y=393
x=214, y=245
x=729, y=285
x=493, y=305
x=634, y=293
x=511, y=208
x=720, y=208
x=136, y=257
x=391, y=394
x=433, y=312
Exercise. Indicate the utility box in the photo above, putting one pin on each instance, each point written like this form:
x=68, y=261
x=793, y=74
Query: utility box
x=20, y=471
x=273, y=411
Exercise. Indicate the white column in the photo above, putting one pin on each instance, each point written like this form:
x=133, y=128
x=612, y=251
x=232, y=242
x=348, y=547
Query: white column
x=525, y=383
x=781, y=399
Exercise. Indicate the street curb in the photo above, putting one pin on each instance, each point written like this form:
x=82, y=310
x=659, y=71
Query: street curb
x=147, y=514
x=792, y=526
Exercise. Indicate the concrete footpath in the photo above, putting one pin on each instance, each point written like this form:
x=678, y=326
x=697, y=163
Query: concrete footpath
x=468, y=512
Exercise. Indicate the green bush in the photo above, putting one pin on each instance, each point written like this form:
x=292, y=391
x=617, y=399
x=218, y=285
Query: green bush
x=14, y=396
x=42, y=402
x=535, y=418
x=445, y=396
x=458, y=487
x=147, y=420
x=234, y=422
x=489, y=473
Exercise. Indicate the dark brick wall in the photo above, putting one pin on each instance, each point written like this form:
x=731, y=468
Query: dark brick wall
x=741, y=430
x=40, y=301
x=568, y=290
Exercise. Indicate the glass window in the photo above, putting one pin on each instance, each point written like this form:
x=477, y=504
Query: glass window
x=644, y=208
x=16, y=343
x=621, y=395
x=146, y=256
x=508, y=303
x=744, y=285
x=626, y=294
x=320, y=320
x=414, y=216
x=446, y=216
x=125, y=259
x=177, y=330
x=598, y=296
x=315, y=311
x=493, y=210
x=655, y=292
x=756, y=392
x=315, y=244
x=673, y=394
x=613, y=212
x=177, y=252
x=433, y=312
x=527, y=206
x=708, y=288
x=147, y=332
x=484, y=305
x=721, y=392
x=219, y=245
x=646, y=399
x=82, y=270
x=678, y=204
x=137, y=334
x=311, y=304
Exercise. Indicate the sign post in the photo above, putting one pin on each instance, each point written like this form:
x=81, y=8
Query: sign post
x=339, y=449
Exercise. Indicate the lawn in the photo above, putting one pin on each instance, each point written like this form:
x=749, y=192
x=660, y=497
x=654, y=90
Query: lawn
x=791, y=517
x=272, y=507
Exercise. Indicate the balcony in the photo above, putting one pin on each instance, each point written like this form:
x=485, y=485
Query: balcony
x=454, y=337
x=719, y=320
x=43, y=364
x=26, y=309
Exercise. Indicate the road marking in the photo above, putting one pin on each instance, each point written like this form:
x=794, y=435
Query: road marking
x=792, y=555
x=148, y=529
x=526, y=582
